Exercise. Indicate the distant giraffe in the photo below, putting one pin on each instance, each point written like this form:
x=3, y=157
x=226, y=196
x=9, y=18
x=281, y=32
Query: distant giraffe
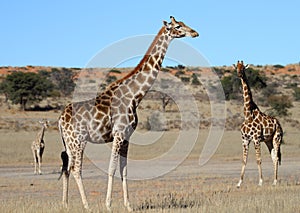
x=258, y=127
x=112, y=116
x=38, y=146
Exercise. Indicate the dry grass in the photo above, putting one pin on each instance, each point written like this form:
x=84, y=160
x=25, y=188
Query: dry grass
x=189, y=194
x=188, y=188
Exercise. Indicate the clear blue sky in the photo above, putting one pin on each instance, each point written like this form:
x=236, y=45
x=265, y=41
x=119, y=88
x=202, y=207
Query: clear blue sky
x=69, y=33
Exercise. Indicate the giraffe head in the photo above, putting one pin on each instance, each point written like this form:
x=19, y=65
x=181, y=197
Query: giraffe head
x=45, y=123
x=178, y=29
x=240, y=68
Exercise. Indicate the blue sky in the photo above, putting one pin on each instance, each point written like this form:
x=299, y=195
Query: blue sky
x=69, y=33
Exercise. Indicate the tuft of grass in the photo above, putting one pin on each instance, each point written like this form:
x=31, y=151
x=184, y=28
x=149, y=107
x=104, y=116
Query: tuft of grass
x=171, y=200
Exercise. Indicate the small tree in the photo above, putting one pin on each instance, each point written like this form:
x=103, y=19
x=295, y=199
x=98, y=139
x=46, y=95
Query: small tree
x=165, y=84
x=23, y=88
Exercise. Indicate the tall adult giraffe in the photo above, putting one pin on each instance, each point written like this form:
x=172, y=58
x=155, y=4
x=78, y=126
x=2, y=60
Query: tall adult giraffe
x=258, y=127
x=112, y=117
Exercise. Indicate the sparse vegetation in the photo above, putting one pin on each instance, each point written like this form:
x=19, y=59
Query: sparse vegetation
x=115, y=71
x=278, y=66
x=280, y=105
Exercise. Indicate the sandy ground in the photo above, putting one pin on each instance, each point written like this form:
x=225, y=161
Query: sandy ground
x=214, y=170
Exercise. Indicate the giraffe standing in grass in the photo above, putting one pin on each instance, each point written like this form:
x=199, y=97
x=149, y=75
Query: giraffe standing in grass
x=112, y=116
x=258, y=127
x=38, y=146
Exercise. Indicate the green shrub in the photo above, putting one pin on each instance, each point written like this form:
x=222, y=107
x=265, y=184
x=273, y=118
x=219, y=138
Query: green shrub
x=279, y=104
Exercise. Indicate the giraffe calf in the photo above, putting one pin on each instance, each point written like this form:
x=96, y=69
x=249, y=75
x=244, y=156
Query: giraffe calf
x=38, y=146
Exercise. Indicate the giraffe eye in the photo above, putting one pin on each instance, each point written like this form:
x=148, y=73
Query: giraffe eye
x=178, y=27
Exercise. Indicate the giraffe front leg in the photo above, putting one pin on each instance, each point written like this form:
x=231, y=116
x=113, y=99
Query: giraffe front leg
x=123, y=173
x=112, y=168
x=39, y=159
x=258, y=161
x=34, y=161
x=245, y=158
x=111, y=172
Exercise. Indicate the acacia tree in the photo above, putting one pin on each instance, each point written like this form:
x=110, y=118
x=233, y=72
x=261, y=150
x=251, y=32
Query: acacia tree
x=23, y=88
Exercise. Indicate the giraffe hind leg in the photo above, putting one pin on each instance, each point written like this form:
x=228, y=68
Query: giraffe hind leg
x=65, y=174
x=40, y=159
x=258, y=161
x=64, y=167
x=123, y=173
x=38, y=156
x=76, y=172
x=276, y=154
x=245, y=158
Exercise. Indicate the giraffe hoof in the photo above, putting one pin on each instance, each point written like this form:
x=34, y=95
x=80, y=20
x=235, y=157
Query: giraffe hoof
x=239, y=184
x=129, y=209
x=108, y=207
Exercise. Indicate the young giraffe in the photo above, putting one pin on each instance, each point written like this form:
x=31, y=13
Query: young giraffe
x=112, y=117
x=38, y=146
x=258, y=127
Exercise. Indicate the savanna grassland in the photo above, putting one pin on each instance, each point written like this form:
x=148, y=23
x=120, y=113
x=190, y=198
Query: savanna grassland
x=187, y=187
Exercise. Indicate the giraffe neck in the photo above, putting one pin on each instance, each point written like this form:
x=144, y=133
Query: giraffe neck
x=140, y=80
x=41, y=134
x=249, y=104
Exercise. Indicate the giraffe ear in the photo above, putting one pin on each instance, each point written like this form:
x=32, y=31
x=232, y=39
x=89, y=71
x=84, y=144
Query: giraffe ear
x=247, y=66
x=234, y=66
x=166, y=24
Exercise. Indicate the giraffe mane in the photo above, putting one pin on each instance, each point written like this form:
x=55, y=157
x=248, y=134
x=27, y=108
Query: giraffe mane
x=144, y=59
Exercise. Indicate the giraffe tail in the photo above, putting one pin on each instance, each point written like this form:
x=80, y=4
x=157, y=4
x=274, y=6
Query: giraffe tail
x=64, y=157
x=279, y=156
x=65, y=160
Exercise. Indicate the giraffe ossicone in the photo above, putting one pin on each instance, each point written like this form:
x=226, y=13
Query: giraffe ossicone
x=258, y=127
x=112, y=116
